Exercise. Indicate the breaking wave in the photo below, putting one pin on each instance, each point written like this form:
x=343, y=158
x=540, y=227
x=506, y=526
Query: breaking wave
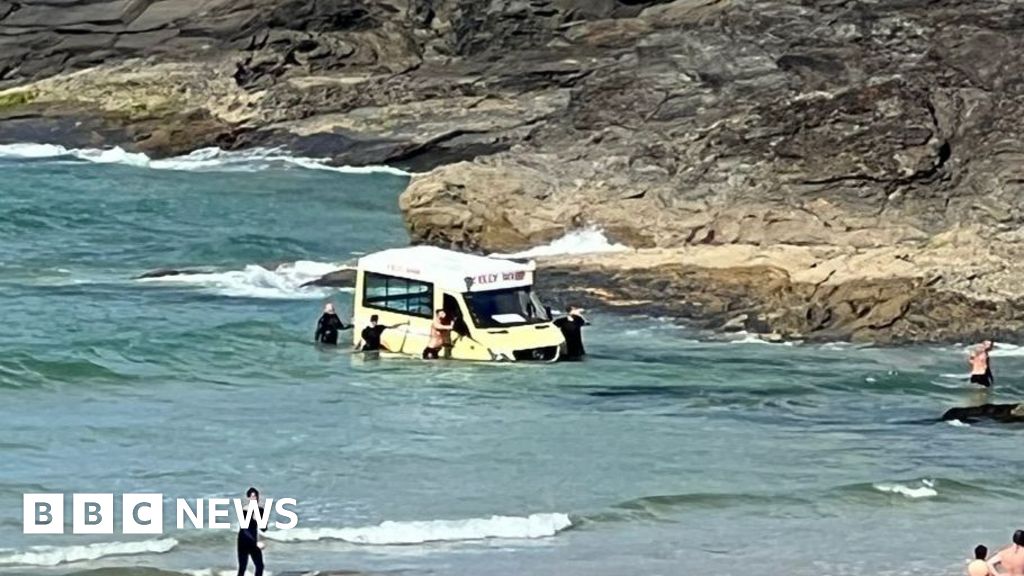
x=744, y=337
x=202, y=160
x=56, y=555
x=584, y=241
x=397, y=533
x=926, y=489
x=283, y=282
x=1002, y=350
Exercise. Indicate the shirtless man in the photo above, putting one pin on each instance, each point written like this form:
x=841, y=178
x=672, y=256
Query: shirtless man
x=1010, y=559
x=981, y=370
x=440, y=334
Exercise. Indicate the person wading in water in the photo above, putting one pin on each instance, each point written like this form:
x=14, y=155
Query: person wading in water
x=572, y=330
x=249, y=545
x=440, y=335
x=370, y=336
x=981, y=366
x=328, y=326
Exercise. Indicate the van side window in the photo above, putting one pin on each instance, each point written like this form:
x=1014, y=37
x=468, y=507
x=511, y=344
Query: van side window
x=398, y=295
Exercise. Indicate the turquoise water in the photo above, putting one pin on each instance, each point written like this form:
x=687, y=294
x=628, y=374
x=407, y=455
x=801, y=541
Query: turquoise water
x=668, y=452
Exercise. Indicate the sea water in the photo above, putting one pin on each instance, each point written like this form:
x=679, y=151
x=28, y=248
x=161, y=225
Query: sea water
x=669, y=451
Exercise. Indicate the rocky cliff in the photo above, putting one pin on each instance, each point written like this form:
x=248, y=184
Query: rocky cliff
x=817, y=169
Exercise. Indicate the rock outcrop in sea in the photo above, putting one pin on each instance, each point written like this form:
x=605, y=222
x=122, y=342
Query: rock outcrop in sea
x=832, y=169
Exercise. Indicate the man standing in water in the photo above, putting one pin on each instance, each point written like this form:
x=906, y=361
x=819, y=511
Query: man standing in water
x=440, y=335
x=1011, y=558
x=328, y=326
x=371, y=335
x=248, y=537
x=572, y=329
x=981, y=368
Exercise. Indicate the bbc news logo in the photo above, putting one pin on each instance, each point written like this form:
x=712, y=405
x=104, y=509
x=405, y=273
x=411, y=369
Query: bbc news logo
x=144, y=513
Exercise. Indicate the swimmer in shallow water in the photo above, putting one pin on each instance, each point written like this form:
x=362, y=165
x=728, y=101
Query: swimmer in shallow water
x=981, y=366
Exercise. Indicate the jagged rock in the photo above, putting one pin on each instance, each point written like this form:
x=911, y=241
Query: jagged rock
x=461, y=197
x=997, y=412
x=165, y=272
x=338, y=279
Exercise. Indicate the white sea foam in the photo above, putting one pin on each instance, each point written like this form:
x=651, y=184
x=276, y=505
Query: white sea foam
x=396, y=533
x=283, y=282
x=837, y=346
x=55, y=555
x=925, y=490
x=204, y=159
x=584, y=241
x=744, y=337
x=1007, y=350
x=958, y=424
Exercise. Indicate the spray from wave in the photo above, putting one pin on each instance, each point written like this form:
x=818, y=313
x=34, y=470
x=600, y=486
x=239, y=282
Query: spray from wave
x=585, y=241
x=925, y=490
x=55, y=555
x=1007, y=350
x=286, y=281
x=744, y=337
x=398, y=533
x=202, y=160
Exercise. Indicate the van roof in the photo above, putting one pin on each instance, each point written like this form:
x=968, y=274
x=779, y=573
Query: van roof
x=448, y=269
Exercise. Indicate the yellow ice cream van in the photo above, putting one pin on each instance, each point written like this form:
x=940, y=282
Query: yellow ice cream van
x=497, y=314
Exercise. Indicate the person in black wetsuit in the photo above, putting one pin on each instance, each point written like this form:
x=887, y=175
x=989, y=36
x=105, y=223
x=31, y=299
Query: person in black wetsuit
x=371, y=335
x=248, y=539
x=328, y=326
x=572, y=329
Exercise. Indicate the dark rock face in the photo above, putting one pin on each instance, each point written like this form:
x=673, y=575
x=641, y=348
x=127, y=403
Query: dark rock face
x=165, y=272
x=42, y=38
x=855, y=123
x=338, y=279
x=998, y=412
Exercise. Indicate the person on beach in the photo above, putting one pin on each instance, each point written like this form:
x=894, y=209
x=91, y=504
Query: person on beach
x=249, y=545
x=978, y=566
x=981, y=366
x=440, y=335
x=1010, y=559
x=328, y=326
x=370, y=336
x=572, y=330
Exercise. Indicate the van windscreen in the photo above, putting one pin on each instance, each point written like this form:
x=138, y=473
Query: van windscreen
x=509, y=307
